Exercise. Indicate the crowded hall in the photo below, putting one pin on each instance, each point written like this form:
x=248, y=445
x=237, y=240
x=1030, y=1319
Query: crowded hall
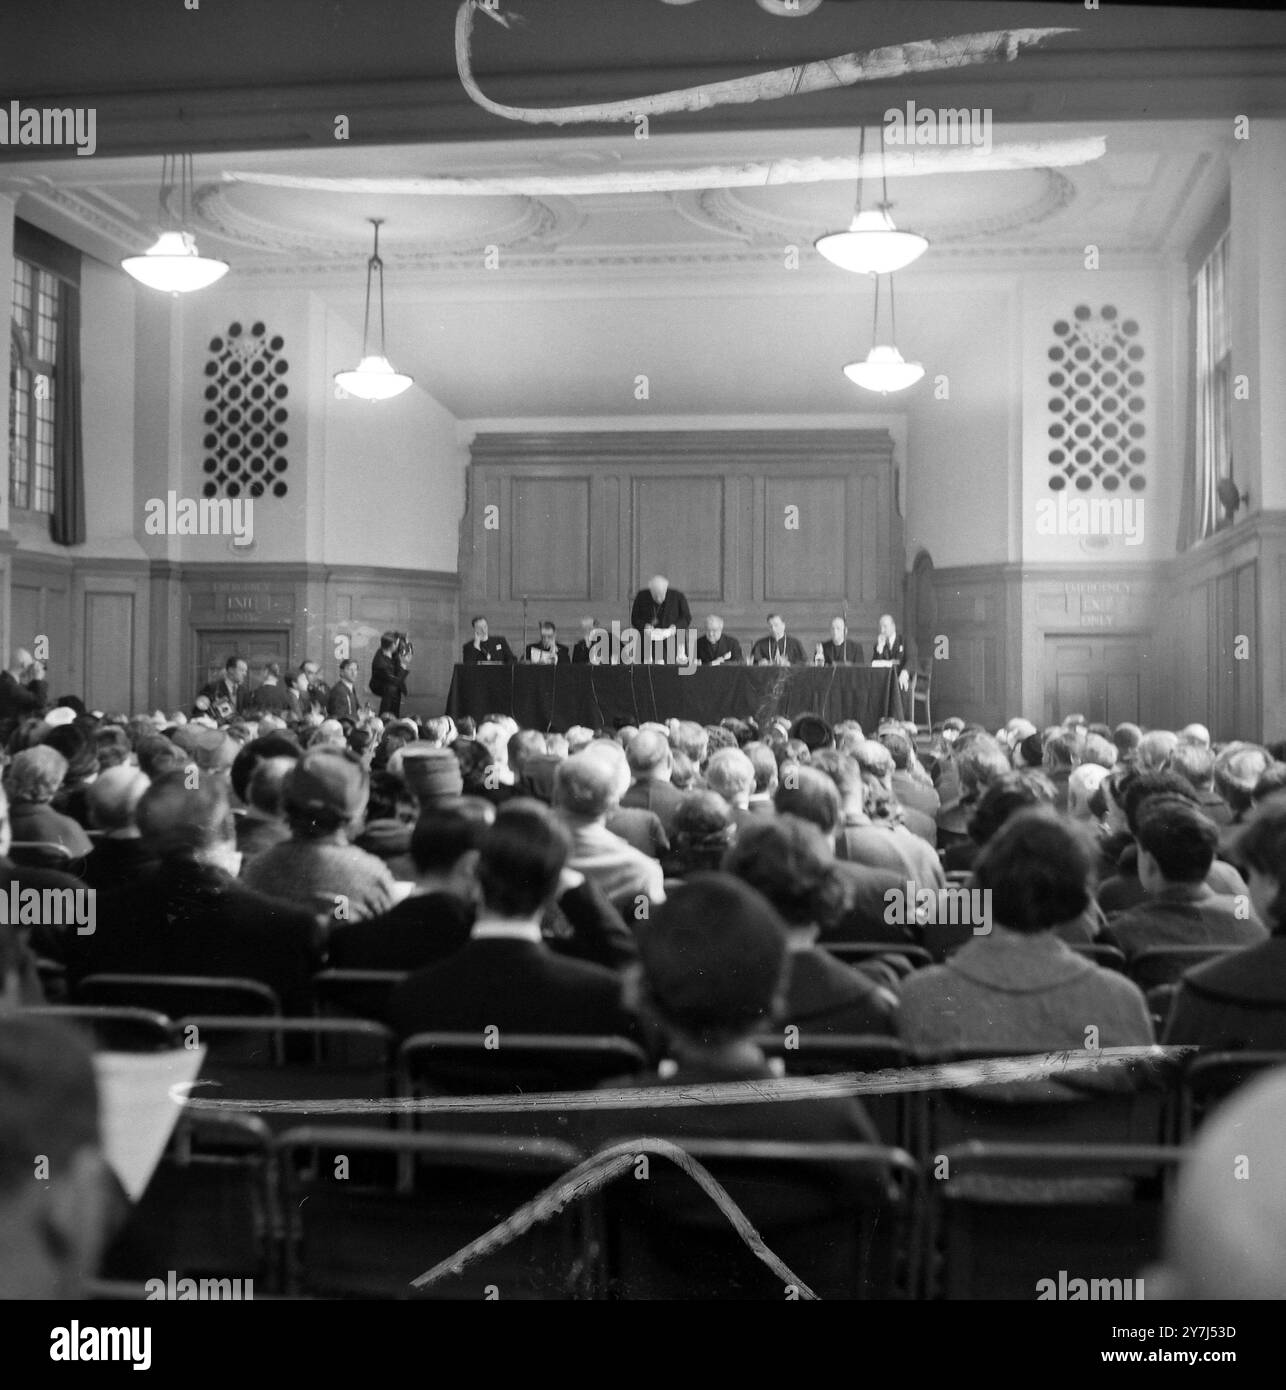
x=643, y=653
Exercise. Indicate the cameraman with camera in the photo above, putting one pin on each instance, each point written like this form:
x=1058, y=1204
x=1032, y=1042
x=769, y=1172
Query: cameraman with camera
x=389, y=669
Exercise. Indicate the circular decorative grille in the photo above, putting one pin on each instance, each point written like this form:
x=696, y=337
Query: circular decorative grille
x=245, y=415
x=1097, y=433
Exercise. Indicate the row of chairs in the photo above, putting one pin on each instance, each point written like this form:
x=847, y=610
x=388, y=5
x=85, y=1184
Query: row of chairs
x=364, y=992
x=336, y=1211
x=330, y=1059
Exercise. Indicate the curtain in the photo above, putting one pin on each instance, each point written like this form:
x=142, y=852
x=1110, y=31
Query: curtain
x=1210, y=450
x=67, y=522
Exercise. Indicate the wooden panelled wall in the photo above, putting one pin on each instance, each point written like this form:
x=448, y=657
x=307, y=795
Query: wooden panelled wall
x=743, y=522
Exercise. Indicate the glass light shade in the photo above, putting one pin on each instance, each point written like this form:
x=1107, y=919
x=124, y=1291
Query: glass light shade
x=884, y=370
x=174, y=264
x=373, y=380
x=872, y=245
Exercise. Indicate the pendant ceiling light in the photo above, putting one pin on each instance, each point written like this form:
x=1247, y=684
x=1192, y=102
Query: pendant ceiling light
x=373, y=379
x=174, y=264
x=872, y=245
x=884, y=369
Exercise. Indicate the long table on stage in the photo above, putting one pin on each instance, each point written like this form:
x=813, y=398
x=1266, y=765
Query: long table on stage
x=558, y=697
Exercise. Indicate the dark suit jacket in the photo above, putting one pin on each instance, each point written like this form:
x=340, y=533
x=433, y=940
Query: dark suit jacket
x=673, y=611
x=662, y=798
x=896, y=653
x=1235, y=1003
x=850, y=654
x=274, y=699
x=823, y=995
x=185, y=918
x=580, y=652
x=513, y=985
x=418, y=931
x=342, y=703
x=1183, y=917
x=728, y=647
x=641, y=828
x=493, y=649
x=17, y=700
x=388, y=676
x=529, y=654
x=112, y=863
x=236, y=695
x=763, y=650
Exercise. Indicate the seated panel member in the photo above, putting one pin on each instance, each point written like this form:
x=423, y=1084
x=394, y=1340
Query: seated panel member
x=841, y=650
x=778, y=649
x=716, y=648
x=548, y=651
x=890, y=647
x=484, y=647
x=583, y=653
x=665, y=611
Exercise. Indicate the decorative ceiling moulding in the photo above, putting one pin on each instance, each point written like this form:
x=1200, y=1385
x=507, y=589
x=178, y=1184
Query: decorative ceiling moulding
x=726, y=210
x=504, y=222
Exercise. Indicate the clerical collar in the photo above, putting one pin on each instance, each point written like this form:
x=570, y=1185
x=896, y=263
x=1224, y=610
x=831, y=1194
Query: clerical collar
x=506, y=929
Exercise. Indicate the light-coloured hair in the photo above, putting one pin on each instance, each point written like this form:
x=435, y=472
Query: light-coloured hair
x=35, y=774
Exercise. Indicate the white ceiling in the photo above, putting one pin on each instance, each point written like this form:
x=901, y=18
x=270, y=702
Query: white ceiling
x=691, y=287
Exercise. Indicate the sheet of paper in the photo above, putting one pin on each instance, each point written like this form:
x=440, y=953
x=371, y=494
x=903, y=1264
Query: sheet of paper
x=137, y=1111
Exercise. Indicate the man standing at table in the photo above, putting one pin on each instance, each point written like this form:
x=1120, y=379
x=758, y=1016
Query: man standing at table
x=890, y=647
x=841, y=650
x=777, y=649
x=716, y=648
x=666, y=612
x=484, y=647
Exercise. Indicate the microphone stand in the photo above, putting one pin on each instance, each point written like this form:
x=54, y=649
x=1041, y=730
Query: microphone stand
x=524, y=628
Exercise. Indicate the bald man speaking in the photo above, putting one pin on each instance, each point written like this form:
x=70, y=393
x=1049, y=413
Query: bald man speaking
x=666, y=612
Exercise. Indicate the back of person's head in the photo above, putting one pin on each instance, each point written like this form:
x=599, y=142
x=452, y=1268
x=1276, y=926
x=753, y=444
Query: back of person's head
x=585, y=785
x=980, y=762
x=526, y=743
x=793, y=865
x=1100, y=750
x=765, y=766
x=113, y=797
x=1237, y=769
x=809, y=794
x=443, y=835
x=157, y=755
x=326, y=791
x=713, y=960
x=183, y=818
x=1154, y=748
x=683, y=771
x=111, y=746
x=731, y=774
x=844, y=771
x=1062, y=752
x=1178, y=836
x=1081, y=786
x=649, y=754
x=690, y=738
x=266, y=782
x=274, y=745
x=1195, y=733
x=609, y=754
x=717, y=738
x=53, y=1227
x=899, y=748
x=1270, y=784
x=520, y=858
x=1127, y=738
x=798, y=751
x=34, y=775
x=813, y=732
x=1038, y=869
x=1137, y=787
x=1005, y=797
x=1193, y=761
x=1261, y=849
x=742, y=730
x=1225, y=1233
x=701, y=830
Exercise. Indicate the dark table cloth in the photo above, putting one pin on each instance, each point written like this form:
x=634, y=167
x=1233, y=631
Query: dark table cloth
x=557, y=697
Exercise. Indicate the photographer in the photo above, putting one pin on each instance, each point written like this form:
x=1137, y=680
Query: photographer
x=389, y=669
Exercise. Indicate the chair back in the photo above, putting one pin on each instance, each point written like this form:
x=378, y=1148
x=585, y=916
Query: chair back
x=470, y=1064
x=179, y=995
